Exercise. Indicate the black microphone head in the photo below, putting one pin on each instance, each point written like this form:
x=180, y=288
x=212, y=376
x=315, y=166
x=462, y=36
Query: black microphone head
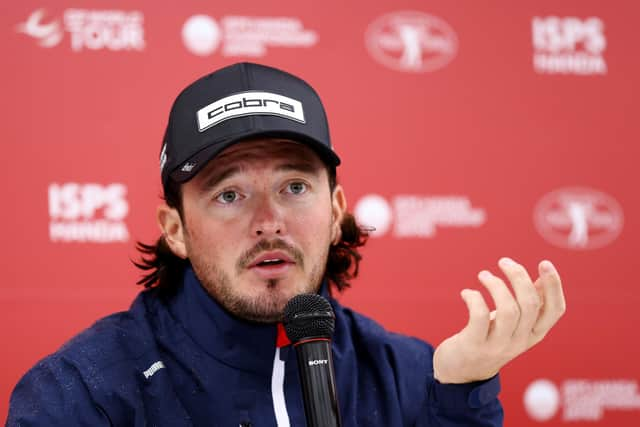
x=308, y=316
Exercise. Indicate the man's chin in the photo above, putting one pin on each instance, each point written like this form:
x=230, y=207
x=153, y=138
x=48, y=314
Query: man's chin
x=258, y=313
x=263, y=307
x=260, y=300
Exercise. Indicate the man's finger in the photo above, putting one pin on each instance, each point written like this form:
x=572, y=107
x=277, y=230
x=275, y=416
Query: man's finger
x=554, y=302
x=478, y=325
x=527, y=298
x=507, y=311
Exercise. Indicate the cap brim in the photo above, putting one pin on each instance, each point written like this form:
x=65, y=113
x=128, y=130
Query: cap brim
x=195, y=163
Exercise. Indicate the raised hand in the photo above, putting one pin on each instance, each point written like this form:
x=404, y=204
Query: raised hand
x=492, y=338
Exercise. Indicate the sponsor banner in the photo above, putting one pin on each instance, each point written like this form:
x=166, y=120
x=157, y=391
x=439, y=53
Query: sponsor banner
x=416, y=215
x=88, y=29
x=569, y=45
x=248, y=36
x=578, y=218
x=88, y=213
x=411, y=41
x=580, y=399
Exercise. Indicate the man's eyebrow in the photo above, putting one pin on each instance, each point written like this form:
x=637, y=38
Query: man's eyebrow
x=215, y=178
x=305, y=167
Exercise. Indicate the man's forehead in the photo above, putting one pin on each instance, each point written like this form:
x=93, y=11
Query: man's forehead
x=293, y=155
x=267, y=147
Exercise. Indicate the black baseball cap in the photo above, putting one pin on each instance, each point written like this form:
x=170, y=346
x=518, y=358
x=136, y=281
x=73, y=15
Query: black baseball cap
x=236, y=103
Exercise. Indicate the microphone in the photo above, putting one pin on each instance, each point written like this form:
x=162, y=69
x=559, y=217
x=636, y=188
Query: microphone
x=309, y=323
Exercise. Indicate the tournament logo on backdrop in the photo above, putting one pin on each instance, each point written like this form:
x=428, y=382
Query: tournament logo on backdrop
x=48, y=34
x=580, y=399
x=417, y=216
x=114, y=30
x=244, y=35
x=578, y=218
x=568, y=45
x=88, y=213
x=411, y=41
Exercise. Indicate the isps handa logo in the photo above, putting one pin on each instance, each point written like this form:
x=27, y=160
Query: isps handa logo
x=88, y=213
x=578, y=218
x=411, y=41
x=569, y=45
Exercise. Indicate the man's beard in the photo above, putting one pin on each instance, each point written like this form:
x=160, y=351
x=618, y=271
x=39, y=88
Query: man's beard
x=263, y=308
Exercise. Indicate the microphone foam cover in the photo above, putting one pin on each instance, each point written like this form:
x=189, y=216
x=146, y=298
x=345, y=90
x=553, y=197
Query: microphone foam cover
x=308, y=316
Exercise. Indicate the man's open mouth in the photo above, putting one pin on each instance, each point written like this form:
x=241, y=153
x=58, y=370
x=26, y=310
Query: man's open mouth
x=271, y=259
x=269, y=262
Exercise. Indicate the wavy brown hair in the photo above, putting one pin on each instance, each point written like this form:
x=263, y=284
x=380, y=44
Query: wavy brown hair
x=163, y=270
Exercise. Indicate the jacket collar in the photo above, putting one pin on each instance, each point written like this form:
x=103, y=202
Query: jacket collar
x=237, y=342
x=240, y=343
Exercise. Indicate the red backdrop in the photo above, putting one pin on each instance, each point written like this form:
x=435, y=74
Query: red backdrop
x=467, y=131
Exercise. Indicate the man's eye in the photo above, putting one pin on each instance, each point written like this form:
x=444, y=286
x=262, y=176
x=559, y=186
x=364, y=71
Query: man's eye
x=297, y=187
x=227, y=197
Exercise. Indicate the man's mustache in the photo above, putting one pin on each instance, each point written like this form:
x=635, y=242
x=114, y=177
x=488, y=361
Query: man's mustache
x=270, y=245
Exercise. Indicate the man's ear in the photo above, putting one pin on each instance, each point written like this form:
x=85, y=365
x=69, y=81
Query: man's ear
x=172, y=229
x=338, y=209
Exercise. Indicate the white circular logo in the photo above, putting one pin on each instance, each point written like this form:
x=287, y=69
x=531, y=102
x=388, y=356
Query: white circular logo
x=578, y=218
x=201, y=35
x=374, y=211
x=541, y=400
x=411, y=41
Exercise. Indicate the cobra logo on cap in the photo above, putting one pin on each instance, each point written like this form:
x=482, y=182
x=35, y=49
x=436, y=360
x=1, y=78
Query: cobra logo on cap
x=247, y=104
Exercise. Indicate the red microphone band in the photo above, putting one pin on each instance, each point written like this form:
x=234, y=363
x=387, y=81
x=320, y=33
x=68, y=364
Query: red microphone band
x=311, y=340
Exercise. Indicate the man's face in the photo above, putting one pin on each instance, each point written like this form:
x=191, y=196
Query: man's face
x=258, y=222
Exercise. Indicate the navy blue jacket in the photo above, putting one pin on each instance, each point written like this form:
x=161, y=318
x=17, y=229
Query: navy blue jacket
x=187, y=362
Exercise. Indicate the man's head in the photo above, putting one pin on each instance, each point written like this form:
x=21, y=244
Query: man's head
x=257, y=223
x=252, y=201
x=236, y=103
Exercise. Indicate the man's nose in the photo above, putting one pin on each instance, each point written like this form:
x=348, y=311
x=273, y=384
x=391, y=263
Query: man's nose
x=268, y=219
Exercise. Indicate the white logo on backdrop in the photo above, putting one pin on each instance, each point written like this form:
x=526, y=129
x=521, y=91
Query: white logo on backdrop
x=88, y=213
x=578, y=218
x=244, y=35
x=417, y=216
x=580, y=399
x=201, y=35
x=411, y=41
x=89, y=29
x=374, y=211
x=568, y=45
x=48, y=35
x=542, y=400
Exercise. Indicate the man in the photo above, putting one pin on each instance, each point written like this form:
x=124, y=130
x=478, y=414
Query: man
x=254, y=216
